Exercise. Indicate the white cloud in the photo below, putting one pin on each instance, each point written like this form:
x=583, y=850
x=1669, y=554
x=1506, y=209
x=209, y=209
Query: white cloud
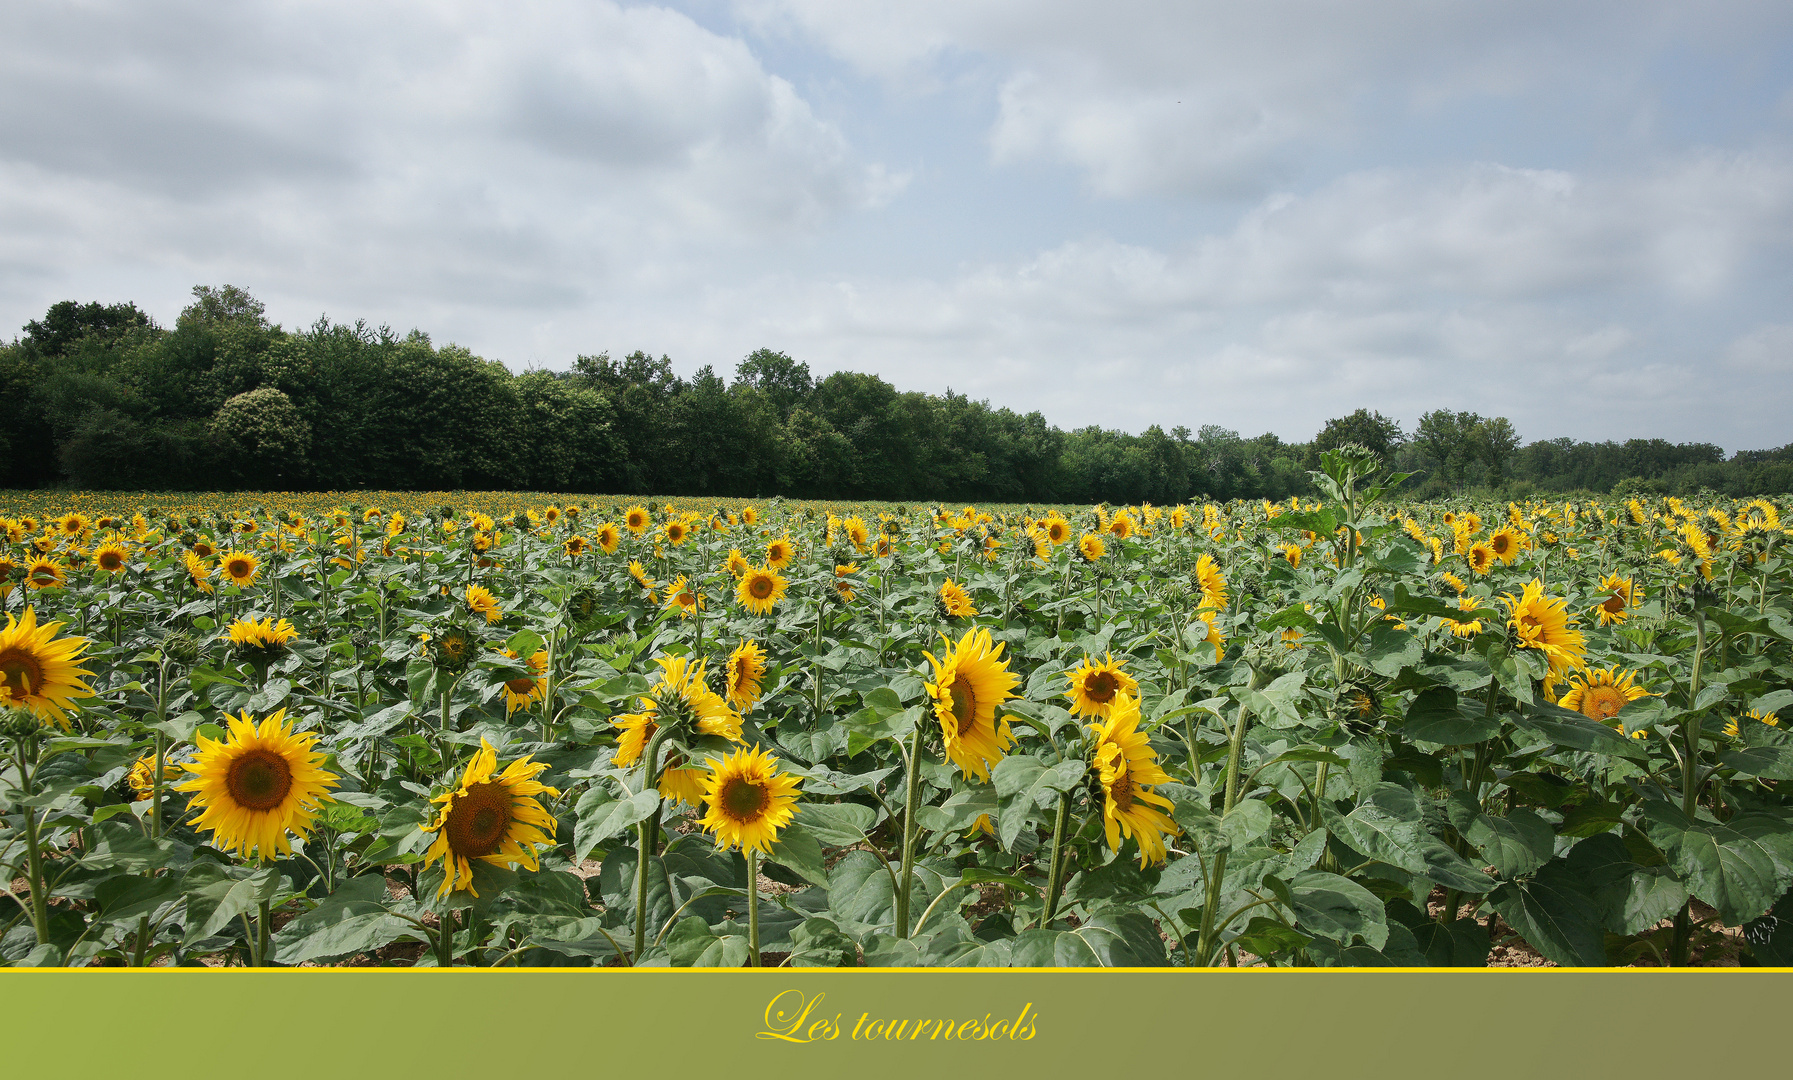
x=424, y=156
x=1213, y=98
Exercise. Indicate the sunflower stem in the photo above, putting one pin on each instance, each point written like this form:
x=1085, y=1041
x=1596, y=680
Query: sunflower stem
x=24, y=749
x=648, y=839
x=911, y=797
x=1055, y=876
x=261, y=935
x=1208, y=940
x=753, y=906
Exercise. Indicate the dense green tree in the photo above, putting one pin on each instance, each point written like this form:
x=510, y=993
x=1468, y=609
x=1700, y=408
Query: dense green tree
x=1368, y=429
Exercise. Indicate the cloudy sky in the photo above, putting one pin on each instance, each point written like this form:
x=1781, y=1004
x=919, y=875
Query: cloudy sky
x=1579, y=216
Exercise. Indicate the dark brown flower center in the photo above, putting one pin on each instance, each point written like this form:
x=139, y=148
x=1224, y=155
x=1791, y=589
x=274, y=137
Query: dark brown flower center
x=964, y=706
x=743, y=800
x=760, y=587
x=19, y=673
x=1100, y=686
x=259, y=779
x=477, y=824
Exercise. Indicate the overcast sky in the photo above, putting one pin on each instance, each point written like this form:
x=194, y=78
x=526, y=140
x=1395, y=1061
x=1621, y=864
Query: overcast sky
x=1258, y=215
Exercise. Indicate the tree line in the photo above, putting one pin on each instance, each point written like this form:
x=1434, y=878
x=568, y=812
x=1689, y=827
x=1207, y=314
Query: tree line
x=98, y=396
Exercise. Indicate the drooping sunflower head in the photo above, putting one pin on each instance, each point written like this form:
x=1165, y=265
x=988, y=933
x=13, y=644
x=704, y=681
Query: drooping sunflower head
x=490, y=816
x=955, y=602
x=1542, y=622
x=970, y=681
x=1097, y=684
x=1464, y=627
x=760, y=589
x=1212, y=583
x=1125, y=768
x=240, y=567
x=737, y=564
x=1456, y=584
x=1599, y=693
x=684, y=596
x=749, y=516
x=639, y=573
x=1090, y=547
x=746, y=667
x=38, y=670
x=858, y=533
x=453, y=649
x=260, y=641
x=258, y=785
x=480, y=601
x=1622, y=594
x=748, y=800
x=198, y=571
x=526, y=690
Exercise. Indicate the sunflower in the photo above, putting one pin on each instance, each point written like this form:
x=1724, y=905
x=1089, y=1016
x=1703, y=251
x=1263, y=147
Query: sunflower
x=1056, y=528
x=882, y=548
x=481, y=601
x=1212, y=582
x=42, y=573
x=1126, y=765
x=1090, y=547
x=1291, y=637
x=636, y=519
x=737, y=564
x=1120, y=526
x=1541, y=622
x=142, y=777
x=263, y=634
x=198, y=571
x=955, y=601
x=609, y=536
x=684, y=596
x=969, y=683
x=38, y=672
x=858, y=533
x=760, y=589
x=203, y=548
x=1456, y=583
x=1600, y=693
x=639, y=573
x=240, y=567
x=492, y=816
x=524, y=691
x=258, y=785
x=780, y=552
x=680, y=688
x=1767, y=718
x=843, y=581
x=749, y=516
x=1096, y=685
x=1506, y=544
x=72, y=524
x=111, y=558
x=1622, y=594
x=676, y=532
x=574, y=546
x=746, y=667
x=749, y=800
x=681, y=782
x=1464, y=627
x=1291, y=552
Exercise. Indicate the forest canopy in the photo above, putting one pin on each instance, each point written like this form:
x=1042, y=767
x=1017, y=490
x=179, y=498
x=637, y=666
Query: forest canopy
x=98, y=396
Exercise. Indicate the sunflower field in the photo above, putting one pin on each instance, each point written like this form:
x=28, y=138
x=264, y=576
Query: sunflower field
x=1352, y=731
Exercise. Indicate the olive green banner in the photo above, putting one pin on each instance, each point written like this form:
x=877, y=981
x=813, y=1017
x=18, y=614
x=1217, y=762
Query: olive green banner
x=337, y=1023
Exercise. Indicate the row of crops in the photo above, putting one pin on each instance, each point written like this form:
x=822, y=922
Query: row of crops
x=1351, y=731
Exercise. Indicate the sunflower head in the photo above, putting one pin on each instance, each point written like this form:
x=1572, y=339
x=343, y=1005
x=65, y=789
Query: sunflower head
x=1090, y=547
x=1543, y=623
x=1599, y=694
x=746, y=667
x=1125, y=767
x=258, y=785
x=584, y=605
x=480, y=601
x=240, y=568
x=452, y=649
x=954, y=602
x=491, y=816
x=760, y=589
x=970, y=681
x=112, y=558
x=260, y=641
x=748, y=800
x=1097, y=685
